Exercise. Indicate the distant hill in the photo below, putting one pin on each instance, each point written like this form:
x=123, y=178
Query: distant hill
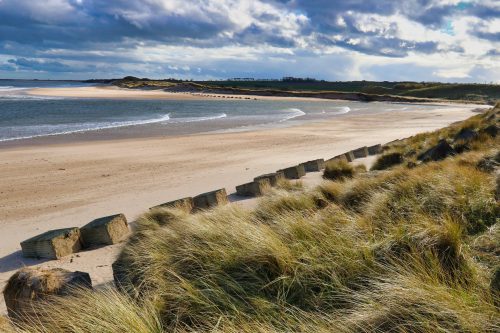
x=349, y=90
x=455, y=91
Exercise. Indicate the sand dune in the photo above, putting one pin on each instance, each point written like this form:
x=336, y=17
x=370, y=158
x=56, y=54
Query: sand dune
x=62, y=185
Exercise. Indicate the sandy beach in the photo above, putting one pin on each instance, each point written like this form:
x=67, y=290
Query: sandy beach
x=121, y=93
x=63, y=185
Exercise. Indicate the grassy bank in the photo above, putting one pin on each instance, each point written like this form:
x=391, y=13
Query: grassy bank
x=353, y=90
x=410, y=247
x=449, y=91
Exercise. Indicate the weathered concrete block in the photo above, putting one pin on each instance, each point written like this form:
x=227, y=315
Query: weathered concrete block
x=210, y=199
x=253, y=189
x=360, y=152
x=341, y=157
x=272, y=177
x=375, y=150
x=314, y=165
x=105, y=230
x=349, y=156
x=295, y=172
x=438, y=152
x=185, y=204
x=30, y=286
x=465, y=135
x=53, y=244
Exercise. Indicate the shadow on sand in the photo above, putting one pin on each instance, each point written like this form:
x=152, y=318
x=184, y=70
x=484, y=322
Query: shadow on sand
x=16, y=260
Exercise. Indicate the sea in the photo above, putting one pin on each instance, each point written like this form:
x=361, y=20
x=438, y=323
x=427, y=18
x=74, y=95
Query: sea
x=26, y=117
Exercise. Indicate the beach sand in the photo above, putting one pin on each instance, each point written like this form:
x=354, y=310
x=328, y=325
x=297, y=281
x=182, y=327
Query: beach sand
x=63, y=185
x=122, y=93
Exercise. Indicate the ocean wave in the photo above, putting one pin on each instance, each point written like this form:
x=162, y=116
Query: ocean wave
x=293, y=113
x=338, y=110
x=12, y=88
x=11, y=97
x=343, y=110
x=196, y=119
x=52, y=130
x=11, y=93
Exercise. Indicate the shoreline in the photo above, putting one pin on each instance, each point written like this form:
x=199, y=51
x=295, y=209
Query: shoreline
x=144, y=131
x=113, y=92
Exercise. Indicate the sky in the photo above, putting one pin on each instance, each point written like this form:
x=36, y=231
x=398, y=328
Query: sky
x=394, y=40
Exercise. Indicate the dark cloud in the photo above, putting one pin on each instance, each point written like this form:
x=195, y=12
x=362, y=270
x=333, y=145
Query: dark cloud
x=388, y=47
x=46, y=66
x=491, y=36
x=428, y=12
x=493, y=53
x=254, y=35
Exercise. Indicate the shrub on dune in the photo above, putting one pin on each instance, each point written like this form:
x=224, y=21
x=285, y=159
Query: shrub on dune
x=338, y=170
x=388, y=160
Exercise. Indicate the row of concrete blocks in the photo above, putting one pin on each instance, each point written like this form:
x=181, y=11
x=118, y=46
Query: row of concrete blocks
x=358, y=153
x=200, y=202
x=55, y=244
x=109, y=230
x=259, y=185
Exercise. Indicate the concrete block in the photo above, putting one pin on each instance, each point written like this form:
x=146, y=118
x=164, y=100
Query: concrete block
x=314, y=165
x=360, y=152
x=210, y=199
x=349, y=156
x=185, y=204
x=375, y=150
x=295, y=172
x=272, y=177
x=253, y=189
x=31, y=286
x=52, y=244
x=105, y=230
x=341, y=157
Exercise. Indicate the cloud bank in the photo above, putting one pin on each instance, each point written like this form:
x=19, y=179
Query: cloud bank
x=439, y=40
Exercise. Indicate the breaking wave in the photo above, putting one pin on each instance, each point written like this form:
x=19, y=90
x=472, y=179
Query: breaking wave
x=293, y=113
x=60, y=129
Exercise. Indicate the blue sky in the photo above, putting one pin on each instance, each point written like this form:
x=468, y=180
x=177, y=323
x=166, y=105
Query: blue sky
x=431, y=40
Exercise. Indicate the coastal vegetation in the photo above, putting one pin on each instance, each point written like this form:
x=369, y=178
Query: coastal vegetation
x=352, y=90
x=410, y=247
x=338, y=169
x=450, y=91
